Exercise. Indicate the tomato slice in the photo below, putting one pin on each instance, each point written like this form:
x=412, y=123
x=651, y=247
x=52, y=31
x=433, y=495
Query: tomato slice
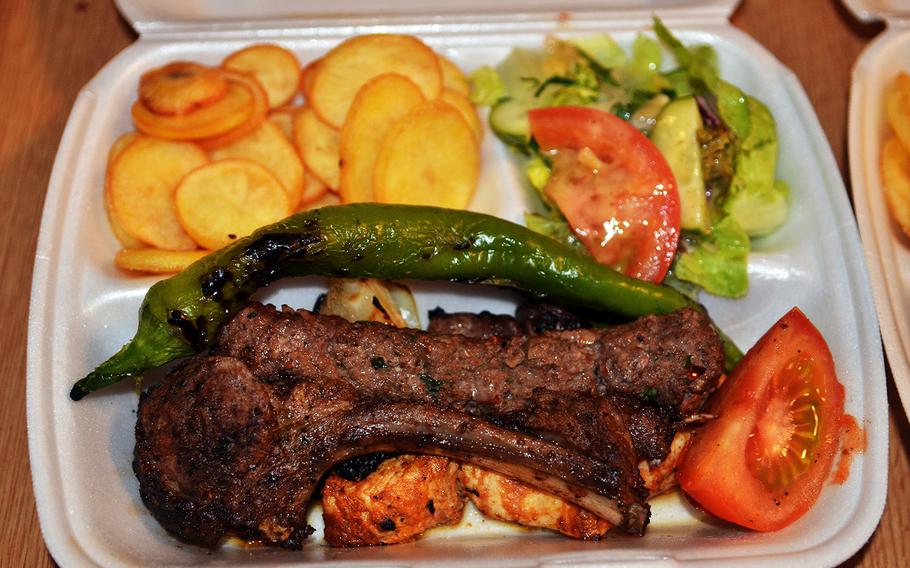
x=613, y=186
x=763, y=462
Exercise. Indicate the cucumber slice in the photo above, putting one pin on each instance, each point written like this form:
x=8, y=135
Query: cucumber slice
x=509, y=121
x=675, y=135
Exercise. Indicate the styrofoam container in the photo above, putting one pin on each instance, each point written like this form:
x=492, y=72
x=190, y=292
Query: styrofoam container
x=83, y=309
x=887, y=248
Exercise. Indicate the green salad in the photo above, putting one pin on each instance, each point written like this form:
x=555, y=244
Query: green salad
x=720, y=143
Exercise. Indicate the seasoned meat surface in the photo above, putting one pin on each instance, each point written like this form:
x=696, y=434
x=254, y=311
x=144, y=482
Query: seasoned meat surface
x=674, y=359
x=235, y=443
x=510, y=500
x=404, y=497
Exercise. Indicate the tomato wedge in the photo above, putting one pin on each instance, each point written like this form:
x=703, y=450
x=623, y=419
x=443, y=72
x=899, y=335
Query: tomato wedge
x=763, y=462
x=613, y=186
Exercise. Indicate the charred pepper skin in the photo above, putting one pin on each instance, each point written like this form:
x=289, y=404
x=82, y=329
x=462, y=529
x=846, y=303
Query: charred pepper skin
x=181, y=316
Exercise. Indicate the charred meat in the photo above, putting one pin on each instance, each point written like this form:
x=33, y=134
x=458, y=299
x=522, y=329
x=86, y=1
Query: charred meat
x=236, y=442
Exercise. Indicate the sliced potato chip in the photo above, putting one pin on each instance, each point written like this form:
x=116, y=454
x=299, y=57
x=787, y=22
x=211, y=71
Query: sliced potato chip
x=228, y=112
x=453, y=78
x=283, y=118
x=269, y=147
x=276, y=69
x=313, y=190
x=897, y=106
x=327, y=198
x=125, y=239
x=256, y=117
x=229, y=199
x=306, y=79
x=896, y=177
x=467, y=109
x=430, y=157
x=351, y=64
x=379, y=104
x=318, y=144
x=142, y=181
x=181, y=87
x=157, y=261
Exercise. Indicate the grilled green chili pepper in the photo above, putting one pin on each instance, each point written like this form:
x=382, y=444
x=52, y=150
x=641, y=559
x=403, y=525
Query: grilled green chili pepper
x=181, y=315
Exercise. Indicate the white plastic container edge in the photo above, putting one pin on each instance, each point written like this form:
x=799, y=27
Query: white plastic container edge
x=886, y=248
x=47, y=412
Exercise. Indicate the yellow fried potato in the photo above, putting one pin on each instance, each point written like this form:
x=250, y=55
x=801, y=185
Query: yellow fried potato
x=306, y=79
x=181, y=87
x=897, y=106
x=464, y=105
x=157, y=261
x=323, y=200
x=313, y=190
x=276, y=69
x=270, y=148
x=142, y=180
x=430, y=157
x=260, y=110
x=379, y=104
x=228, y=112
x=318, y=144
x=453, y=78
x=283, y=118
x=896, y=177
x=351, y=64
x=125, y=239
x=229, y=199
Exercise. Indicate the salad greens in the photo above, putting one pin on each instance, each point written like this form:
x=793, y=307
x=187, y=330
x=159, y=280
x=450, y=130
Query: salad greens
x=720, y=142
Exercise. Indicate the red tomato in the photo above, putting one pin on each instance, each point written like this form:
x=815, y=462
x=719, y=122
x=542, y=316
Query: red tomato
x=762, y=463
x=623, y=204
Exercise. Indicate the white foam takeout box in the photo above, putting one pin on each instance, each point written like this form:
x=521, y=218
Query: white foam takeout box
x=83, y=309
x=887, y=248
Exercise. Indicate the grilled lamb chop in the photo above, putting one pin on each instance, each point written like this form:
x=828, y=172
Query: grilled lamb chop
x=235, y=443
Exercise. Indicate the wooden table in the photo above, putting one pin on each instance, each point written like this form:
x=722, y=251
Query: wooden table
x=50, y=48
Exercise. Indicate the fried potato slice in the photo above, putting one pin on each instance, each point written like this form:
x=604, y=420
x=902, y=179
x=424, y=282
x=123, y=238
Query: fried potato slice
x=267, y=146
x=318, y=144
x=897, y=106
x=157, y=261
x=276, y=69
x=379, y=104
x=229, y=199
x=313, y=191
x=283, y=118
x=142, y=180
x=347, y=67
x=896, y=178
x=128, y=241
x=306, y=79
x=510, y=500
x=430, y=157
x=258, y=114
x=467, y=109
x=452, y=77
x=227, y=113
x=181, y=87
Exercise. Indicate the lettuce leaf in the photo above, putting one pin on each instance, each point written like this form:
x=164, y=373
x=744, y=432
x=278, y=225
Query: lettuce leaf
x=717, y=262
x=486, y=86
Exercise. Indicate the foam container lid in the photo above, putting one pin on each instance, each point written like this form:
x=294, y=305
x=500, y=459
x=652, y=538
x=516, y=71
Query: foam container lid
x=82, y=309
x=887, y=249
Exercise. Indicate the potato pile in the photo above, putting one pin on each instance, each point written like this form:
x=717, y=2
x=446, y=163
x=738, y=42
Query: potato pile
x=895, y=159
x=221, y=151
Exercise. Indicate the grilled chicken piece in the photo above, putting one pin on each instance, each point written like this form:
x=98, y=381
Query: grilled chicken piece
x=405, y=496
x=510, y=500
